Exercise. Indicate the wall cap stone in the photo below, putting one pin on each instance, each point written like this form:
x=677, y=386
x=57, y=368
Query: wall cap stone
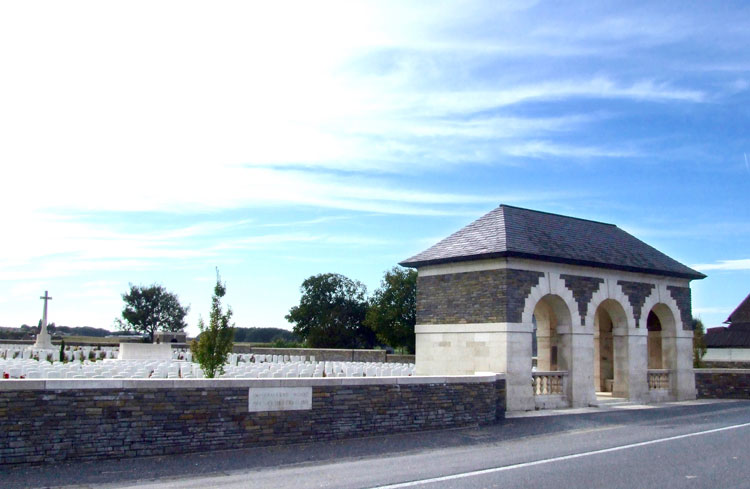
x=473, y=328
x=124, y=384
x=722, y=370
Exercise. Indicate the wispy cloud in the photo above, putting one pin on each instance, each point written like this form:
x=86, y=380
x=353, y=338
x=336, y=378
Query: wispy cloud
x=712, y=310
x=741, y=264
x=272, y=241
x=539, y=149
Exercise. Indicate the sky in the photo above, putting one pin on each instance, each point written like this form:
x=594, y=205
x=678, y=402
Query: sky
x=151, y=142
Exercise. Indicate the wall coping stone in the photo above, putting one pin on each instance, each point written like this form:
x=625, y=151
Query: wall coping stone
x=473, y=328
x=78, y=384
x=722, y=370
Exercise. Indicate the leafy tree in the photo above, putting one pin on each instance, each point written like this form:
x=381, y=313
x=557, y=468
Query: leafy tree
x=152, y=308
x=699, y=343
x=393, y=309
x=331, y=313
x=263, y=335
x=214, y=344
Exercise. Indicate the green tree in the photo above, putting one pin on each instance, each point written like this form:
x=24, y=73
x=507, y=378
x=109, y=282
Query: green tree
x=699, y=343
x=212, y=347
x=152, y=308
x=263, y=335
x=393, y=309
x=331, y=313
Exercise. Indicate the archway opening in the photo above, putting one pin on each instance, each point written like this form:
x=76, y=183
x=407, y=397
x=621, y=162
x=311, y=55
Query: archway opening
x=654, y=341
x=604, y=352
x=610, y=349
x=661, y=326
x=551, y=316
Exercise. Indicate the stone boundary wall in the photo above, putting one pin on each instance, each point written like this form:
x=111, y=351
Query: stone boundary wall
x=320, y=354
x=721, y=364
x=722, y=383
x=398, y=358
x=48, y=421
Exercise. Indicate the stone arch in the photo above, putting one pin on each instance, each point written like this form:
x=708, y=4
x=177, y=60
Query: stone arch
x=664, y=307
x=660, y=295
x=609, y=290
x=550, y=284
x=676, y=343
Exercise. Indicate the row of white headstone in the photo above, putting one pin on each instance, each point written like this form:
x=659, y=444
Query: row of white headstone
x=19, y=368
x=23, y=352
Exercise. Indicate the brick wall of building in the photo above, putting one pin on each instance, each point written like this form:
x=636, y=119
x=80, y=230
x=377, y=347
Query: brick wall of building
x=490, y=296
x=50, y=421
x=722, y=383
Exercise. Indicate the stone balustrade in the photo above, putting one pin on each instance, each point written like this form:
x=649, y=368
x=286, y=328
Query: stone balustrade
x=550, y=389
x=658, y=379
x=549, y=383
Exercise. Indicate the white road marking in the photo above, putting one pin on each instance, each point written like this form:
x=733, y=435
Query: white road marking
x=474, y=473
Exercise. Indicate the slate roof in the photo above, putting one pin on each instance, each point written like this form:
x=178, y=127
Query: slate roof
x=509, y=231
x=737, y=334
x=742, y=313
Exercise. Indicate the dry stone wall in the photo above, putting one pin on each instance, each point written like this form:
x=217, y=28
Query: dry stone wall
x=51, y=421
x=722, y=383
x=490, y=296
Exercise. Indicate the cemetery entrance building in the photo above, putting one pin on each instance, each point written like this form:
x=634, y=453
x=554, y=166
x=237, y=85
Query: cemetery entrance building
x=611, y=314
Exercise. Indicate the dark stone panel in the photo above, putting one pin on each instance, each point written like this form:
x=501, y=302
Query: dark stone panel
x=583, y=289
x=519, y=283
x=722, y=385
x=50, y=426
x=500, y=393
x=637, y=293
x=681, y=296
x=488, y=296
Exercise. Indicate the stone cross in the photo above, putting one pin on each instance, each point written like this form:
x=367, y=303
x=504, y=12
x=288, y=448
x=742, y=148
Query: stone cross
x=42, y=339
x=46, y=298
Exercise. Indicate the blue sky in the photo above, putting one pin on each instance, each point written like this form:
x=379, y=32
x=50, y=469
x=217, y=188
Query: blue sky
x=148, y=142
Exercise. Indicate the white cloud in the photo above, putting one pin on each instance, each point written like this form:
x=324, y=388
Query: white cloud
x=712, y=310
x=537, y=149
x=741, y=264
x=157, y=122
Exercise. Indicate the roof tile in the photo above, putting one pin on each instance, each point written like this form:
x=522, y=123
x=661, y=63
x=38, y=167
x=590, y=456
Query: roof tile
x=513, y=231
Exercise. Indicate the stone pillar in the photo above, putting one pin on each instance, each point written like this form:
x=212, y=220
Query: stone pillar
x=621, y=344
x=464, y=349
x=519, y=394
x=682, y=378
x=580, y=366
x=637, y=342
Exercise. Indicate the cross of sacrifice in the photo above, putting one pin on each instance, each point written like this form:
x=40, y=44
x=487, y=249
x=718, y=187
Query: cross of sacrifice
x=46, y=298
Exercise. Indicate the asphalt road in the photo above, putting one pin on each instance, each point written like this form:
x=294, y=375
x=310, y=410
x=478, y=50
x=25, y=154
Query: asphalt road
x=685, y=445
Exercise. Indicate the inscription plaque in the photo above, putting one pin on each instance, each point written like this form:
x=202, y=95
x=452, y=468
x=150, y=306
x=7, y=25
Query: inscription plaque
x=279, y=399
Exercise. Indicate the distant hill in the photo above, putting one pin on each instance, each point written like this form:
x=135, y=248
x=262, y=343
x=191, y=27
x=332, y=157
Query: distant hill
x=26, y=331
x=263, y=335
